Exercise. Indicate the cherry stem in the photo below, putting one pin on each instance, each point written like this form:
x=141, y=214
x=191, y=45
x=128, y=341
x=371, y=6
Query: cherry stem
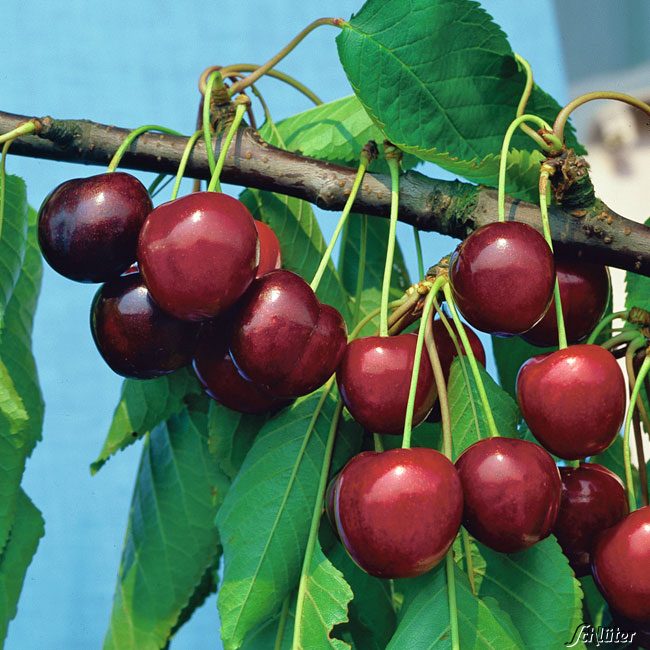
x=469, y=353
x=521, y=108
x=543, y=207
x=183, y=163
x=214, y=78
x=361, y=271
x=469, y=561
x=372, y=315
x=627, y=460
x=289, y=47
x=406, y=310
x=418, y=252
x=24, y=129
x=282, y=623
x=131, y=138
x=393, y=165
x=450, y=568
x=366, y=157
x=563, y=115
x=640, y=414
x=593, y=337
x=3, y=181
x=624, y=337
x=410, y=404
x=159, y=184
x=240, y=111
x=379, y=443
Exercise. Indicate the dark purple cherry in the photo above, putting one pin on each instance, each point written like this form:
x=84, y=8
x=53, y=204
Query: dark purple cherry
x=397, y=512
x=502, y=277
x=219, y=376
x=620, y=563
x=573, y=400
x=584, y=290
x=593, y=499
x=512, y=493
x=270, y=256
x=374, y=379
x=199, y=254
x=88, y=227
x=134, y=336
x=284, y=339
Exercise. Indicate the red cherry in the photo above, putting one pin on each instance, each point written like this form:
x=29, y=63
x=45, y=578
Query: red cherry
x=398, y=511
x=133, y=335
x=198, y=254
x=593, y=499
x=502, y=277
x=284, y=339
x=374, y=380
x=512, y=493
x=219, y=376
x=270, y=256
x=88, y=227
x=621, y=566
x=573, y=400
x=584, y=289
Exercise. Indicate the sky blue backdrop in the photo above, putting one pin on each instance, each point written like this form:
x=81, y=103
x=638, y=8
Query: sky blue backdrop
x=131, y=63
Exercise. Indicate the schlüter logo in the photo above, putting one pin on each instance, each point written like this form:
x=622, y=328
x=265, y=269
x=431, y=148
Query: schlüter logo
x=600, y=636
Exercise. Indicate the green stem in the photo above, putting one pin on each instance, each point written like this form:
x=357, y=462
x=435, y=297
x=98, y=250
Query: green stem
x=469, y=353
x=521, y=108
x=159, y=184
x=361, y=269
x=183, y=164
x=130, y=139
x=469, y=561
x=624, y=337
x=451, y=597
x=363, y=166
x=593, y=337
x=418, y=252
x=315, y=523
x=3, y=181
x=379, y=443
x=213, y=78
x=393, y=166
x=23, y=129
x=282, y=624
x=372, y=315
x=271, y=63
x=215, y=185
x=627, y=460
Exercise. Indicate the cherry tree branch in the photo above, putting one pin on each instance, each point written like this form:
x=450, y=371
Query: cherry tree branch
x=450, y=207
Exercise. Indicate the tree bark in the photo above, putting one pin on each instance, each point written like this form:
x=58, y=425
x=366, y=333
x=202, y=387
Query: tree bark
x=450, y=207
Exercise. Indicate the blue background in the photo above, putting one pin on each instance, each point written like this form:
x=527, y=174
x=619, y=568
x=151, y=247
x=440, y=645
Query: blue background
x=131, y=63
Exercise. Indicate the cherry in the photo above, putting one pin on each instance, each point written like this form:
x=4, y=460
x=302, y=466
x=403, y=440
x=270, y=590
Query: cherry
x=397, y=512
x=284, y=339
x=198, y=254
x=512, y=493
x=374, y=379
x=270, y=256
x=219, y=376
x=134, y=336
x=573, y=400
x=593, y=499
x=584, y=290
x=620, y=563
x=502, y=277
x=88, y=227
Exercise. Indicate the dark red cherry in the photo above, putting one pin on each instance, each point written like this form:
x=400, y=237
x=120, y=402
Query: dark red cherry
x=502, y=277
x=219, y=376
x=134, y=336
x=88, y=227
x=620, y=563
x=584, y=289
x=512, y=493
x=374, y=379
x=397, y=512
x=593, y=499
x=284, y=339
x=198, y=254
x=270, y=256
x=573, y=400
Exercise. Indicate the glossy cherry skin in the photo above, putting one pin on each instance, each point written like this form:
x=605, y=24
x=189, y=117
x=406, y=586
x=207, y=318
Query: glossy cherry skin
x=270, y=255
x=573, y=400
x=219, y=376
x=199, y=254
x=134, y=336
x=593, y=499
x=374, y=379
x=502, y=277
x=620, y=563
x=512, y=493
x=397, y=512
x=284, y=339
x=584, y=290
x=88, y=227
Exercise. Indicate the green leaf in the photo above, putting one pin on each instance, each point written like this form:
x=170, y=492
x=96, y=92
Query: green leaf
x=265, y=519
x=637, y=288
x=171, y=539
x=16, y=557
x=510, y=354
x=142, y=405
x=424, y=620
